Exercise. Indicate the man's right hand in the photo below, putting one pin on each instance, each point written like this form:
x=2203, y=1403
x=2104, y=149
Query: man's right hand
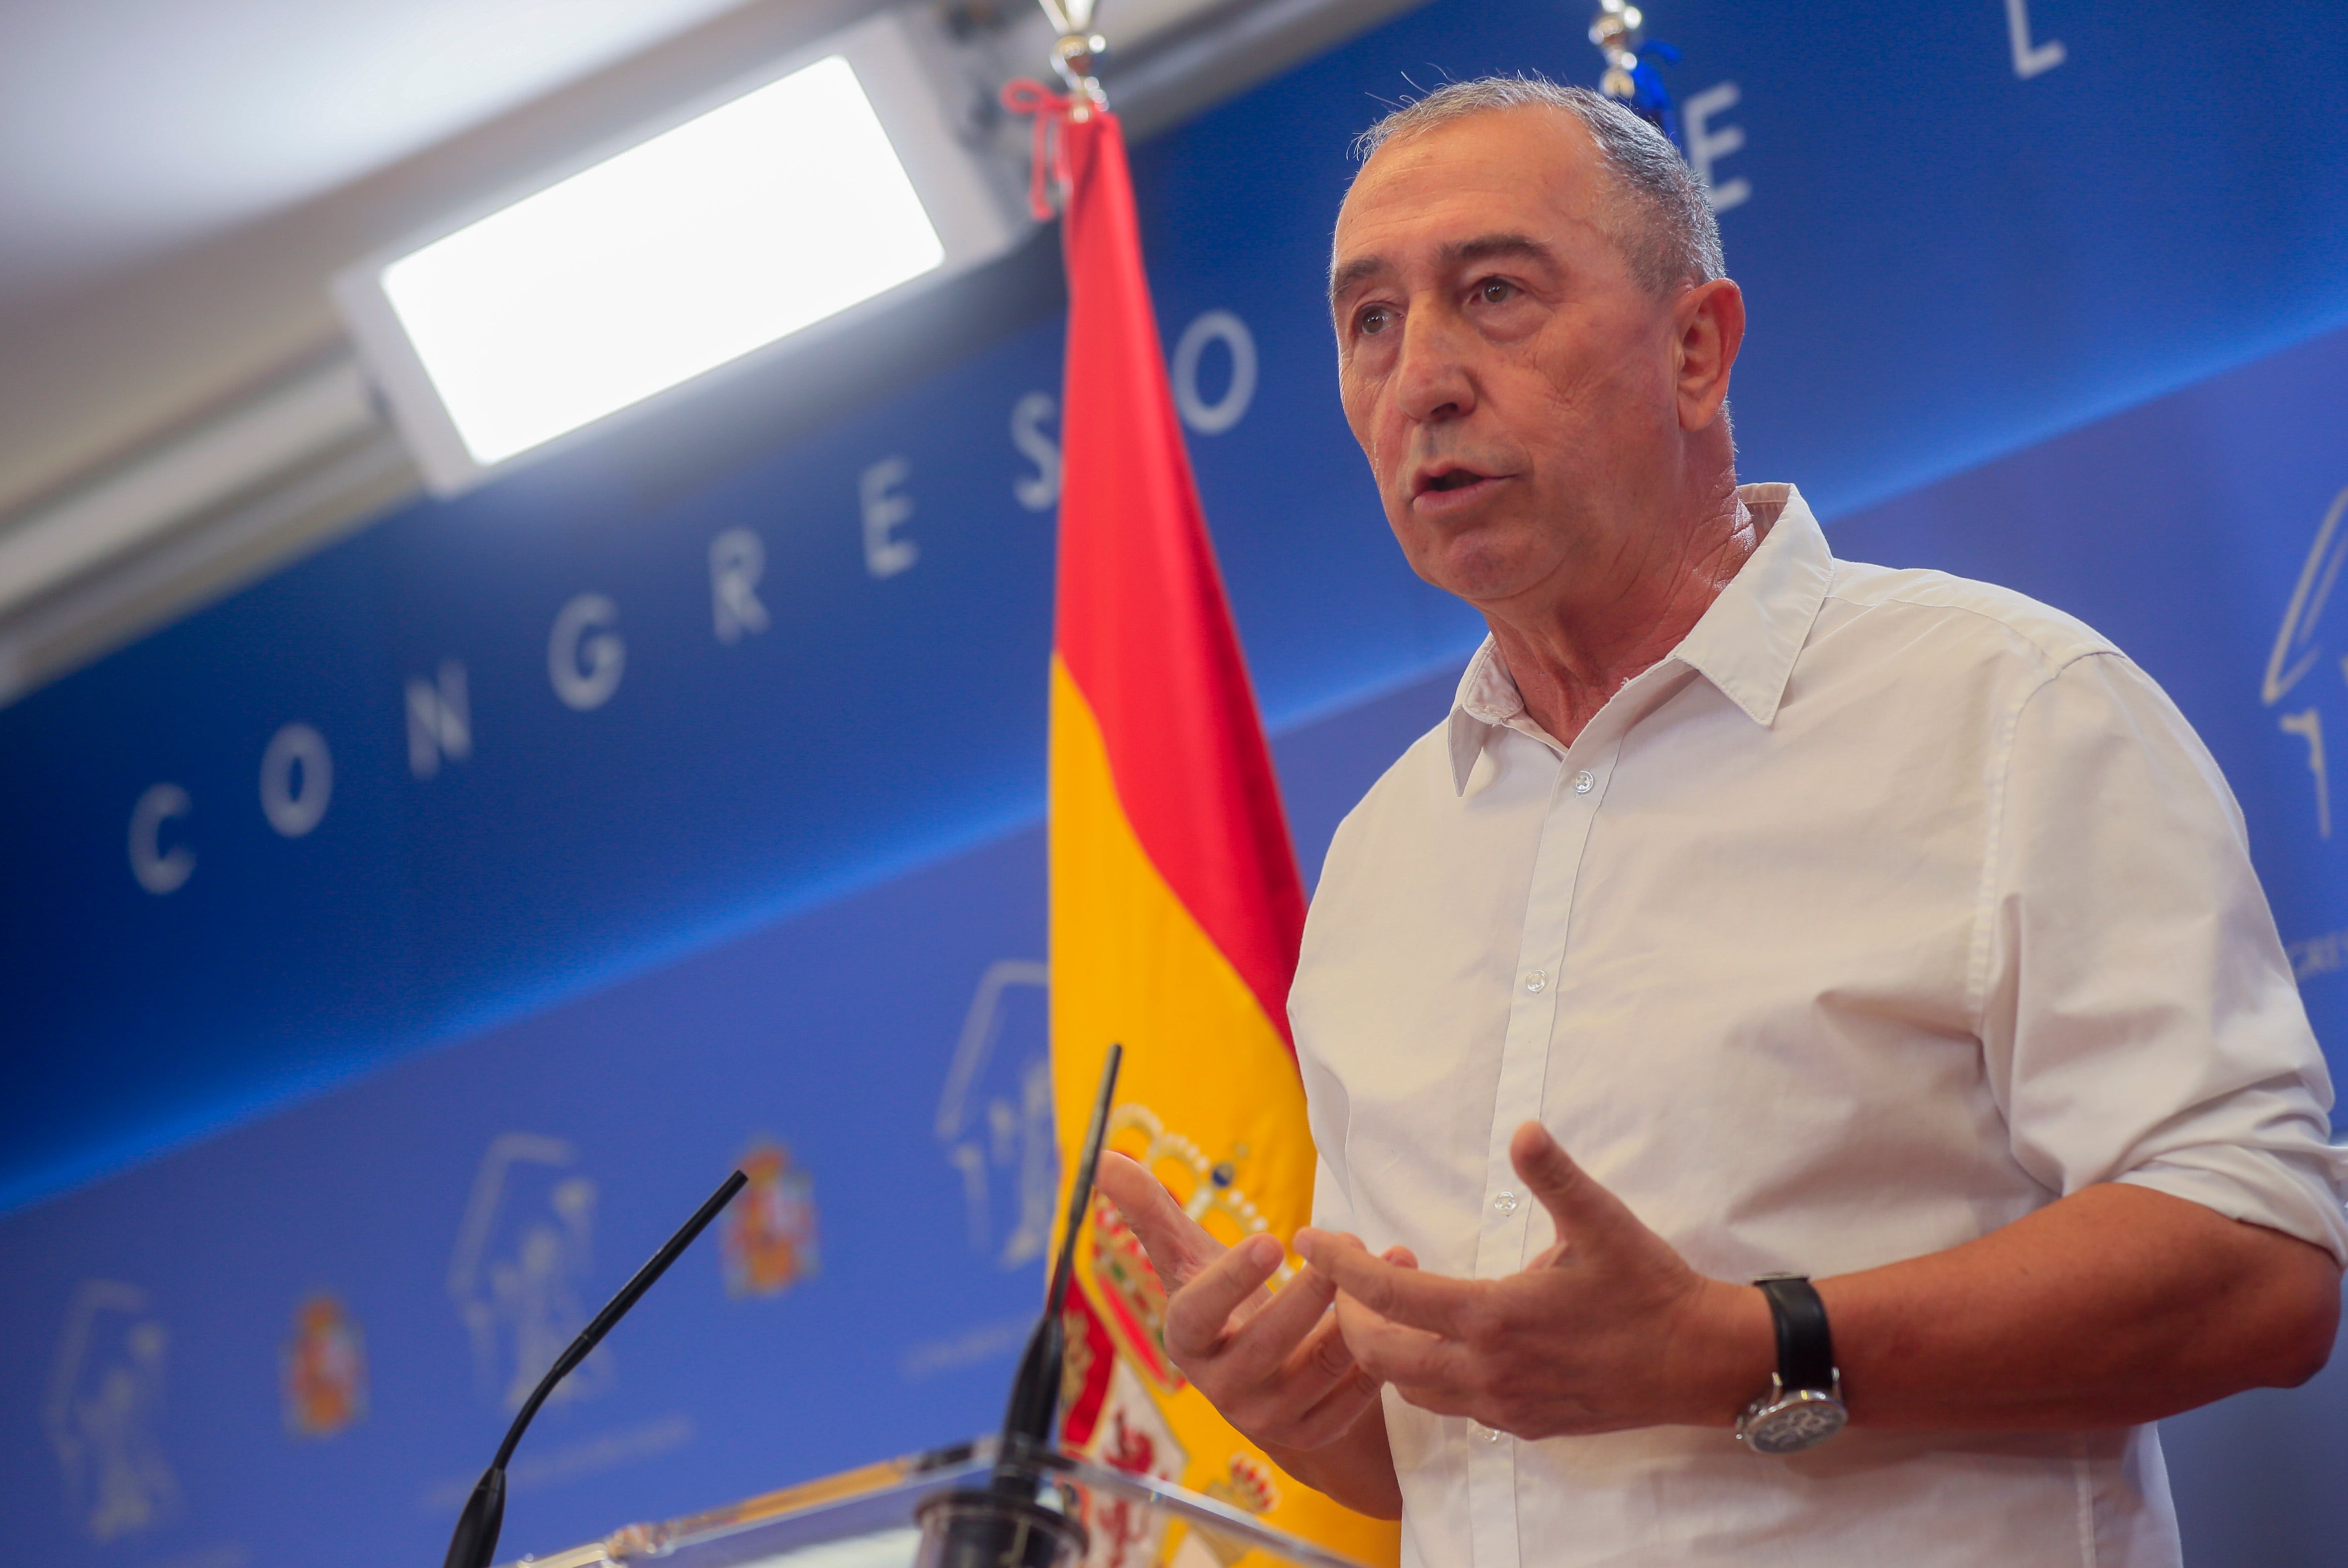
x=1272, y=1361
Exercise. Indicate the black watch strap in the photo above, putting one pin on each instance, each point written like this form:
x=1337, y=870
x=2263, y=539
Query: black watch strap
x=1805, y=1348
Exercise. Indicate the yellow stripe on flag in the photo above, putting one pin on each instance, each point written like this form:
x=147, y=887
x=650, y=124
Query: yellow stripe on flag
x=1207, y=1088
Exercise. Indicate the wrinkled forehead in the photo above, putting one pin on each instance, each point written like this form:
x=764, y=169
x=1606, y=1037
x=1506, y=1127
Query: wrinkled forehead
x=1531, y=170
x=1522, y=168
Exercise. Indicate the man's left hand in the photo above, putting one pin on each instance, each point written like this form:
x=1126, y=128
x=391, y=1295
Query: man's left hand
x=1607, y=1329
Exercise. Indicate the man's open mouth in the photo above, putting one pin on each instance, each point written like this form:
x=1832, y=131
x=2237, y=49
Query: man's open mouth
x=1444, y=481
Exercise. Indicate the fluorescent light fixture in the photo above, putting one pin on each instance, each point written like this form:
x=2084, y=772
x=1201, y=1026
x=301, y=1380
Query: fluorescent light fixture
x=786, y=206
x=679, y=255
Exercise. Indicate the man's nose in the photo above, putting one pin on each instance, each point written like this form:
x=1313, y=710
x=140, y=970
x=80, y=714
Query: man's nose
x=1433, y=379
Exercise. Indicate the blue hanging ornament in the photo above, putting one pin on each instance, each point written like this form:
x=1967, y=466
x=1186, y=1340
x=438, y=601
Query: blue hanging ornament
x=1631, y=77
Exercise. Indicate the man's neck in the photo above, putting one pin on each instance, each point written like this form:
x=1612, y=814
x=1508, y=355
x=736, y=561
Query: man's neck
x=1568, y=659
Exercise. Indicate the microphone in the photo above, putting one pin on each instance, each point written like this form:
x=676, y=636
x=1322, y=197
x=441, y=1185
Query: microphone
x=1005, y=1525
x=476, y=1536
x=1035, y=1402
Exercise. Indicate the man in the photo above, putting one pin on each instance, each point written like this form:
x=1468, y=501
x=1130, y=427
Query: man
x=1752, y=914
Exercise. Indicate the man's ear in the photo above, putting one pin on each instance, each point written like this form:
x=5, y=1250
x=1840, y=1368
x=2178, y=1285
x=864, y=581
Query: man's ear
x=1711, y=322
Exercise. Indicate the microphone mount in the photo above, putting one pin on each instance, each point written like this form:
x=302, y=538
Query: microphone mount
x=1007, y=1525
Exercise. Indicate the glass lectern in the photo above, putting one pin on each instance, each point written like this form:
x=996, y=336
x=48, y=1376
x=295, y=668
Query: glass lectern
x=876, y=1518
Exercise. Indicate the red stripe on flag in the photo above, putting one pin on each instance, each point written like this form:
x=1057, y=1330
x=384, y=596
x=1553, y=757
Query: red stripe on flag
x=1144, y=627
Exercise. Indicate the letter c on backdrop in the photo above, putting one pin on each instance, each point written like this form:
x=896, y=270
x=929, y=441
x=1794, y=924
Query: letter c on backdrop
x=294, y=802
x=583, y=656
x=160, y=870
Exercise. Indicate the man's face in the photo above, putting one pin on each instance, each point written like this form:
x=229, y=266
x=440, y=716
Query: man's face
x=1512, y=384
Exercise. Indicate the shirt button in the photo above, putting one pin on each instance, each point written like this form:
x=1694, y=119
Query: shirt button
x=1504, y=1203
x=1584, y=781
x=1537, y=982
x=1491, y=1434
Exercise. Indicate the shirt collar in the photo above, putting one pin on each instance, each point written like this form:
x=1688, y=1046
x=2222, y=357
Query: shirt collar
x=1746, y=642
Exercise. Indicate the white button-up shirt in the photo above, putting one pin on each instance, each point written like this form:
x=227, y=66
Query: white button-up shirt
x=1887, y=909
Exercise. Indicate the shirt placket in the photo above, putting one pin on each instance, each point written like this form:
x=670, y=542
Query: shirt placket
x=1534, y=984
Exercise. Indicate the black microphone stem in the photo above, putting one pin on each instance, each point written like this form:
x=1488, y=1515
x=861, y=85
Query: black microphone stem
x=1081, y=1195
x=476, y=1536
x=1035, y=1404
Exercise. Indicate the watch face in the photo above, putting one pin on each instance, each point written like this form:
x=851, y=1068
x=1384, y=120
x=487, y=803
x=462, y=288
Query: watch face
x=1802, y=1419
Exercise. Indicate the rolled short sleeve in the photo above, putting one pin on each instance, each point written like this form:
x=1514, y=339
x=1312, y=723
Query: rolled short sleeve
x=2140, y=1021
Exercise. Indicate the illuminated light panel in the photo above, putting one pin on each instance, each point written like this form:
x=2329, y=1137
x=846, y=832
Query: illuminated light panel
x=687, y=252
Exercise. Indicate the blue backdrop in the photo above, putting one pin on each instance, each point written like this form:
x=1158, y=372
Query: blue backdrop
x=683, y=788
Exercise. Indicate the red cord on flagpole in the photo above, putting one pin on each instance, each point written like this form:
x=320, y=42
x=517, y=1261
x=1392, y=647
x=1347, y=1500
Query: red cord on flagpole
x=1050, y=112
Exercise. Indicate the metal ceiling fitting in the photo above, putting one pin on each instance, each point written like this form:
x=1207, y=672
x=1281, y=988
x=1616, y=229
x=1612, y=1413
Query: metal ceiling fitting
x=1077, y=54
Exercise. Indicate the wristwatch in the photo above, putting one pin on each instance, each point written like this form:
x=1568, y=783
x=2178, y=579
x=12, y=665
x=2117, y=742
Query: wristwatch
x=1803, y=1405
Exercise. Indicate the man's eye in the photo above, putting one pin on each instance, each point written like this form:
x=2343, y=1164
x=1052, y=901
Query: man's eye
x=1374, y=320
x=1495, y=291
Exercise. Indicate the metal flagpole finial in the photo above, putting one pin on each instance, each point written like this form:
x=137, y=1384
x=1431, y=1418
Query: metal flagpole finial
x=1077, y=53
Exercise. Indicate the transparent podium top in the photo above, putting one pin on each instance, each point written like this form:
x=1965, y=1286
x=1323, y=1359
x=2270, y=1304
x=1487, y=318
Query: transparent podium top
x=866, y=1519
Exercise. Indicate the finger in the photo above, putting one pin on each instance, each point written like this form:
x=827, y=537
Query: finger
x=1404, y=1294
x=1587, y=1215
x=1178, y=1246
x=1319, y=1364
x=1400, y=1257
x=1441, y=1401
x=1322, y=1360
x=1395, y=1352
x=1336, y=1412
x=1198, y=1315
x=1266, y=1340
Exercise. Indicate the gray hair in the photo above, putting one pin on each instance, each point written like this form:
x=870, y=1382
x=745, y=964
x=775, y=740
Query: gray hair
x=1674, y=239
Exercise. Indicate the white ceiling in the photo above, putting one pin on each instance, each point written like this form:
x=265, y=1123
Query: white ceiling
x=129, y=128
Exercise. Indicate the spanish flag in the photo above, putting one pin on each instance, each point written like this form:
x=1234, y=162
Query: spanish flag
x=1176, y=906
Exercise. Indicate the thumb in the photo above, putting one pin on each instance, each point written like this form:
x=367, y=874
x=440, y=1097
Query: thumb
x=1587, y=1216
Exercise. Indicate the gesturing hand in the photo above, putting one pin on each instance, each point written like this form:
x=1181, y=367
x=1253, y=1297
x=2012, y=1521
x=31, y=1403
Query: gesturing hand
x=1272, y=1361
x=1609, y=1328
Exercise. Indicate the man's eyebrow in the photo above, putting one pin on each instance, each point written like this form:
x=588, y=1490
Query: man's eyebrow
x=1358, y=270
x=1486, y=247
x=1483, y=248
